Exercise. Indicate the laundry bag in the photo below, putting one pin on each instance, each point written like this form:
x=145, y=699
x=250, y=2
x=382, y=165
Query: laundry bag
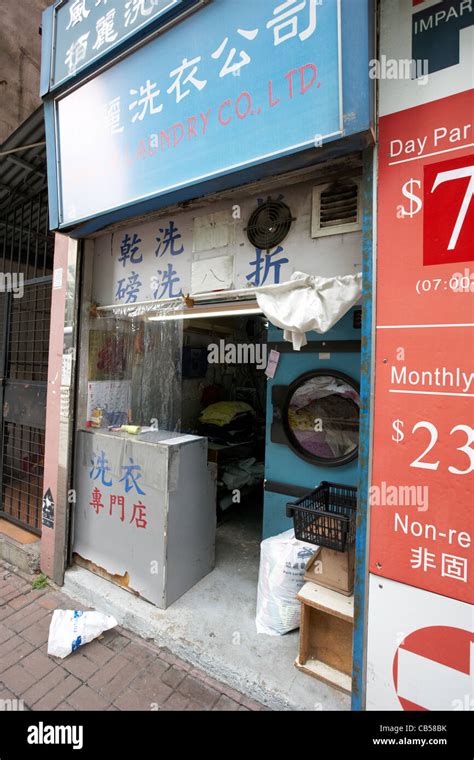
x=283, y=560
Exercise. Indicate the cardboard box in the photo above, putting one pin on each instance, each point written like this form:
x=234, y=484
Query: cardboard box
x=332, y=569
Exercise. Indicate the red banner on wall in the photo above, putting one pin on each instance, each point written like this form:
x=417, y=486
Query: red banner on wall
x=422, y=522
x=448, y=221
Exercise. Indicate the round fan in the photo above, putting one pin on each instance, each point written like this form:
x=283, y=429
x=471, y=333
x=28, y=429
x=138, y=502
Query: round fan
x=269, y=224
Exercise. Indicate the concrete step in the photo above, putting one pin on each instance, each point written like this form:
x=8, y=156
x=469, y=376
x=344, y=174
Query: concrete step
x=20, y=548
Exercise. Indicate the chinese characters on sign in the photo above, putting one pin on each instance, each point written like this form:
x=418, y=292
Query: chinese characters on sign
x=253, y=81
x=290, y=19
x=129, y=250
x=449, y=567
x=99, y=475
x=425, y=375
x=145, y=98
x=166, y=282
x=264, y=265
x=86, y=29
x=128, y=289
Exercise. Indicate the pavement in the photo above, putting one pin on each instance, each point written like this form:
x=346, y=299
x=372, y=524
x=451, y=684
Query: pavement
x=118, y=671
x=213, y=626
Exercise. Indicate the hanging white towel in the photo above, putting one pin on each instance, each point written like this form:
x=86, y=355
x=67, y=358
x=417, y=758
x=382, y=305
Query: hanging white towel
x=307, y=303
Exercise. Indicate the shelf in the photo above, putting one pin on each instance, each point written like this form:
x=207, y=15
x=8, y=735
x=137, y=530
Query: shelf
x=327, y=600
x=326, y=673
x=326, y=633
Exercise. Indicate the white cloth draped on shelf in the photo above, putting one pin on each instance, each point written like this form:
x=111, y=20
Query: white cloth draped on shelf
x=307, y=303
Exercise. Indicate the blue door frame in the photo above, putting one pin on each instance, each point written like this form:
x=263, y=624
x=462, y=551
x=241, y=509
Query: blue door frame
x=283, y=467
x=365, y=445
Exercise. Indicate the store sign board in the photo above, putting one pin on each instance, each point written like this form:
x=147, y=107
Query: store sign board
x=437, y=36
x=420, y=623
x=156, y=260
x=244, y=83
x=420, y=648
x=426, y=210
x=436, y=31
x=84, y=31
x=423, y=491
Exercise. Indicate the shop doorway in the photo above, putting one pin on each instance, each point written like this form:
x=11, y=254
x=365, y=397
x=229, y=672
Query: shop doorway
x=193, y=373
x=179, y=375
x=223, y=398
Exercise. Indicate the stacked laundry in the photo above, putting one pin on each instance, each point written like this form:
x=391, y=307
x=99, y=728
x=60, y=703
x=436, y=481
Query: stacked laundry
x=228, y=422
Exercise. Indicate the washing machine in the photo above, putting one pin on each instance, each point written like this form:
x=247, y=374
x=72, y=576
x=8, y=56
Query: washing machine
x=313, y=408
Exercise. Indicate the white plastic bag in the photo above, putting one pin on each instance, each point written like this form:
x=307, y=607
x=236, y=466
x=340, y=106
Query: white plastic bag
x=70, y=629
x=283, y=560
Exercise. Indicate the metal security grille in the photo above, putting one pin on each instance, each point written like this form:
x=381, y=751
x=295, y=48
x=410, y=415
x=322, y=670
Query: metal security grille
x=25, y=323
x=26, y=255
x=29, y=334
x=26, y=245
x=23, y=465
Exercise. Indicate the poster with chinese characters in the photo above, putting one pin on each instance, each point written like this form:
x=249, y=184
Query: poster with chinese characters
x=143, y=504
x=86, y=30
x=253, y=82
x=156, y=260
x=422, y=493
x=423, y=463
x=109, y=400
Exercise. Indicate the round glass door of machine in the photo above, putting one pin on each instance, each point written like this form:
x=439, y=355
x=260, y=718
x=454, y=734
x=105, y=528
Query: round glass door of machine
x=321, y=417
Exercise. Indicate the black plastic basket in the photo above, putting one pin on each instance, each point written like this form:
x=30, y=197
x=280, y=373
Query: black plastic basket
x=326, y=516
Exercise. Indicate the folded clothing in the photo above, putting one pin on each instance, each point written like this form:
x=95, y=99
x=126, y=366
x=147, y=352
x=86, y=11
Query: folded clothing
x=224, y=412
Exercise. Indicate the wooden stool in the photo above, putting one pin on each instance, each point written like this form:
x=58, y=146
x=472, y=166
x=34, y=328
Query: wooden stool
x=327, y=622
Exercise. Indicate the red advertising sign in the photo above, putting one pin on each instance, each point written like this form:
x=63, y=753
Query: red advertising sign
x=422, y=497
x=422, y=493
x=448, y=195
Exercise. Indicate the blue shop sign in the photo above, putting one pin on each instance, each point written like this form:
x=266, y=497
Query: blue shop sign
x=84, y=31
x=234, y=86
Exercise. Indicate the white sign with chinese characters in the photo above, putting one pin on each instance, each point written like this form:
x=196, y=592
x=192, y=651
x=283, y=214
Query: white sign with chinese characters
x=155, y=261
x=145, y=510
x=66, y=370
x=212, y=274
x=86, y=30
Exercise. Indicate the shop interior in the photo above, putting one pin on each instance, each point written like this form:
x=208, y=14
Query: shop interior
x=213, y=370
x=267, y=429
x=224, y=399
x=214, y=392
